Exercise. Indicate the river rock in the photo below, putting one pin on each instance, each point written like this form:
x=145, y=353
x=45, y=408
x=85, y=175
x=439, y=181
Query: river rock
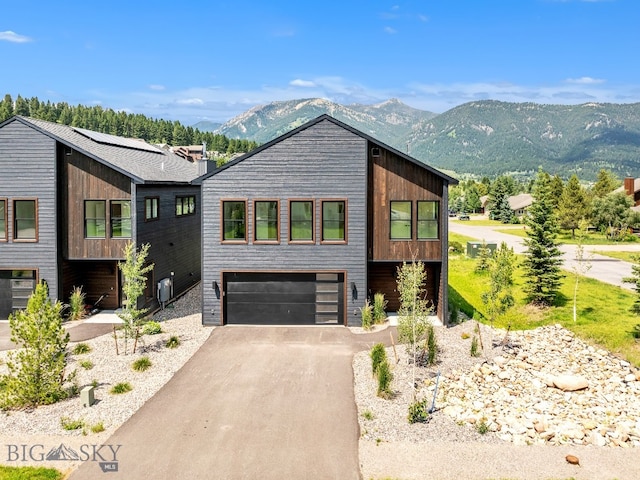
x=570, y=383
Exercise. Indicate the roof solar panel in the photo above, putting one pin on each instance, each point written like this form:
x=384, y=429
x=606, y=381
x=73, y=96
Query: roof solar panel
x=107, y=139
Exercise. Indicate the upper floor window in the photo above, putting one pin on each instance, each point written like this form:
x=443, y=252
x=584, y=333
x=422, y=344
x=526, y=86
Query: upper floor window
x=400, y=220
x=151, y=210
x=3, y=220
x=95, y=219
x=428, y=220
x=185, y=205
x=234, y=220
x=334, y=220
x=25, y=224
x=301, y=214
x=265, y=214
x=120, y=219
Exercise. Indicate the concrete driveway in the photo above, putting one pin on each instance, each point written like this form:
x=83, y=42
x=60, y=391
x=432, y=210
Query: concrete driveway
x=267, y=403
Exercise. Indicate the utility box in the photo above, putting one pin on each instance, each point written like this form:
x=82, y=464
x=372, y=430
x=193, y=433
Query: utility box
x=87, y=396
x=164, y=290
x=473, y=248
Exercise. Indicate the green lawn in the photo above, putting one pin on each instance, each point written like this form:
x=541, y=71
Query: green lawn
x=29, y=473
x=603, y=311
x=477, y=221
x=625, y=256
x=565, y=237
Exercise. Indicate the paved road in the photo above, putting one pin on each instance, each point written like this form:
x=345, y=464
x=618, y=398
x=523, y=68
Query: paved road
x=603, y=268
x=267, y=403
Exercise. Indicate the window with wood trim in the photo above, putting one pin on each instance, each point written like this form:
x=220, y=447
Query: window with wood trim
x=400, y=220
x=3, y=220
x=301, y=221
x=120, y=219
x=427, y=221
x=95, y=219
x=25, y=220
x=334, y=220
x=234, y=220
x=185, y=205
x=265, y=218
x=151, y=208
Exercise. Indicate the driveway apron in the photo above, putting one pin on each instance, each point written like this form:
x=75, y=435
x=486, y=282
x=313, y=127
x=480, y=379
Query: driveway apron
x=268, y=403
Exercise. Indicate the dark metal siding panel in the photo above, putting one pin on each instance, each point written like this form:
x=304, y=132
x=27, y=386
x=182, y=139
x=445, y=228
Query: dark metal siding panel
x=324, y=161
x=28, y=170
x=175, y=241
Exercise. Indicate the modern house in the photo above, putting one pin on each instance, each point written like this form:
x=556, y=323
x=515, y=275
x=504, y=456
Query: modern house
x=304, y=228
x=70, y=199
x=518, y=203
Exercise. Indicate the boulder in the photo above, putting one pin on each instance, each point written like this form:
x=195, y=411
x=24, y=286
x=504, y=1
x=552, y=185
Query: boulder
x=570, y=383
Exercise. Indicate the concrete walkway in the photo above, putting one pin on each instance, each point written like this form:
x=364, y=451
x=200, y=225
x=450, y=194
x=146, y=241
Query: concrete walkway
x=78, y=332
x=267, y=403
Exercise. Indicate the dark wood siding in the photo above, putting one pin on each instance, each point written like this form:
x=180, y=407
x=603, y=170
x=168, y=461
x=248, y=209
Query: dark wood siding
x=28, y=170
x=383, y=279
x=175, y=241
x=323, y=161
x=87, y=179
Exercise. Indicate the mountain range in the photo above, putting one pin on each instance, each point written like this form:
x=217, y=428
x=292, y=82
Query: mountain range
x=479, y=138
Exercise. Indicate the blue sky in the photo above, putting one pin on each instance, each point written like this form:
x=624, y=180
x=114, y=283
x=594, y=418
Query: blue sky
x=212, y=60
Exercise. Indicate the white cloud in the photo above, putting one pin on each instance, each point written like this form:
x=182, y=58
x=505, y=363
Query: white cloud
x=13, y=37
x=390, y=30
x=190, y=101
x=157, y=88
x=585, y=81
x=302, y=83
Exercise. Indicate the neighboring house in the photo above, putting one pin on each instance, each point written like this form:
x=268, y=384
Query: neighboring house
x=304, y=228
x=70, y=199
x=631, y=187
x=518, y=203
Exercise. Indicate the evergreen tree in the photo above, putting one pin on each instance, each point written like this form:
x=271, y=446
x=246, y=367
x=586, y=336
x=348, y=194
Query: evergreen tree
x=606, y=183
x=573, y=206
x=471, y=199
x=543, y=258
x=556, y=187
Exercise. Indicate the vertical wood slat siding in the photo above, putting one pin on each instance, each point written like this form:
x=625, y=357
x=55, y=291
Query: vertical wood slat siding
x=28, y=170
x=321, y=162
x=383, y=279
x=86, y=179
x=175, y=241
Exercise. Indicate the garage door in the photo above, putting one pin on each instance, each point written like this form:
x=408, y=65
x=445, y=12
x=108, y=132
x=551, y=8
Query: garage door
x=260, y=298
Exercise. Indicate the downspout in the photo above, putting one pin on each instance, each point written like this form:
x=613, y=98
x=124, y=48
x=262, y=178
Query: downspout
x=444, y=271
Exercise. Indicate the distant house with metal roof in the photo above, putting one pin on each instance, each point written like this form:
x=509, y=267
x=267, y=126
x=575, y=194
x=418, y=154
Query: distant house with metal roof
x=71, y=198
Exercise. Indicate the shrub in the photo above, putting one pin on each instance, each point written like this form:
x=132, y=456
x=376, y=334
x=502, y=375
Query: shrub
x=86, y=364
x=384, y=379
x=76, y=304
x=120, y=388
x=482, y=427
x=456, y=247
x=367, y=415
x=635, y=333
x=81, y=349
x=454, y=314
x=464, y=335
x=432, y=345
x=69, y=424
x=141, y=364
x=379, y=308
x=474, y=347
x=37, y=367
x=152, y=328
x=173, y=342
x=366, y=314
x=98, y=427
x=418, y=412
x=378, y=355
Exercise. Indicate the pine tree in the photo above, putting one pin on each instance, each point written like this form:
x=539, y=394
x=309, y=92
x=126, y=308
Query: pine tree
x=542, y=257
x=573, y=207
x=606, y=182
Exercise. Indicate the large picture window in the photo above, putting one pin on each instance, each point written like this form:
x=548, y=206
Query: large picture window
x=151, y=208
x=334, y=219
x=95, y=219
x=428, y=220
x=400, y=226
x=121, y=219
x=265, y=213
x=185, y=205
x=3, y=220
x=301, y=214
x=234, y=220
x=25, y=224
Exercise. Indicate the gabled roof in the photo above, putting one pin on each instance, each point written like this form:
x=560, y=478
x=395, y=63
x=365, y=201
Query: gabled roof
x=518, y=202
x=321, y=118
x=137, y=159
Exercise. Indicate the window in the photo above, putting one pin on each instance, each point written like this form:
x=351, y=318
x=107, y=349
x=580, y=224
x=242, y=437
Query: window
x=265, y=214
x=3, y=220
x=95, y=219
x=185, y=205
x=234, y=215
x=25, y=226
x=428, y=220
x=120, y=218
x=151, y=208
x=400, y=220
x=334, y=221
x=301, y=220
